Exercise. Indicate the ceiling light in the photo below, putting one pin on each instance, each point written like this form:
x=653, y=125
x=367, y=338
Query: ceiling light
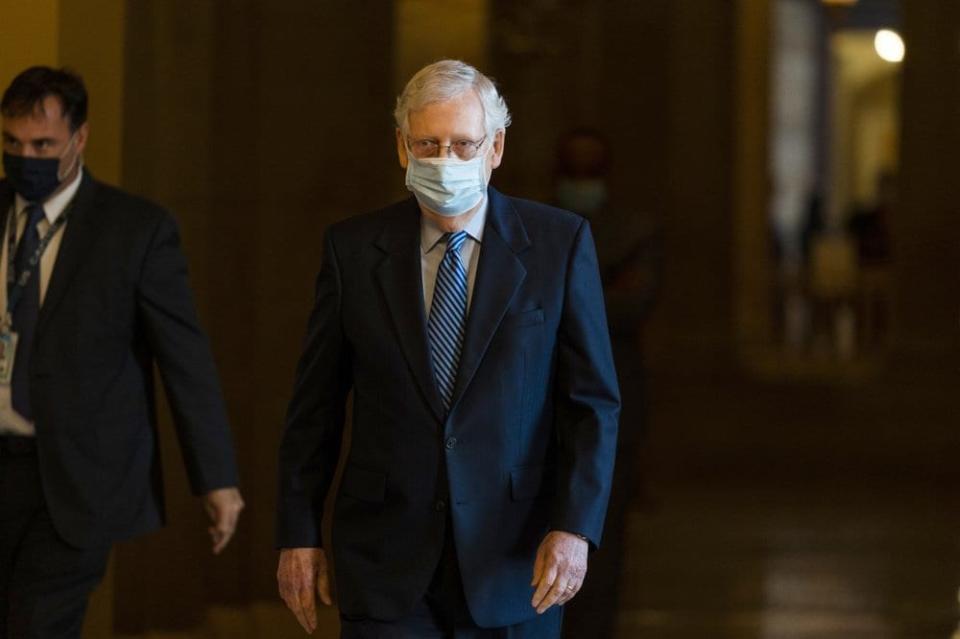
x=889, y=45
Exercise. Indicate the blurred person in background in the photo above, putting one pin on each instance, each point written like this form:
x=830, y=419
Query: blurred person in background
x=96, y=294
x=870, y=228
x=869, y=225
x=629, y=257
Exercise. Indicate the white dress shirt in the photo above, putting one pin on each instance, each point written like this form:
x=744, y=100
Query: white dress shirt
x=12, y=422
x=432, y=250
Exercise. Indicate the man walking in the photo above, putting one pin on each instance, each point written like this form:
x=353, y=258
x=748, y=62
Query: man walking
x=469, y=326
x=95, y=294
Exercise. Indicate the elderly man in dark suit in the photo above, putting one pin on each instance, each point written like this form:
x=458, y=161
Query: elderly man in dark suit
x=96, y=294
x=469, y=326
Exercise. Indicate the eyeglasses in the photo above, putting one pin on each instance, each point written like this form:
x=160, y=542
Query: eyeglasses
x=427, y=148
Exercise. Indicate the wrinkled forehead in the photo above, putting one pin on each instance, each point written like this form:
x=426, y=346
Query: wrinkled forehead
x=463, y=111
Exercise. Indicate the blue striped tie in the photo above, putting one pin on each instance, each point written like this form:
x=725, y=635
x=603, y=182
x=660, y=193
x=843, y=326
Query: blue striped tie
x=448, y=313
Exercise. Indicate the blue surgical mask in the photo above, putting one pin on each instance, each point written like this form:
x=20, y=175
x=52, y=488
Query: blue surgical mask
x=447, y=186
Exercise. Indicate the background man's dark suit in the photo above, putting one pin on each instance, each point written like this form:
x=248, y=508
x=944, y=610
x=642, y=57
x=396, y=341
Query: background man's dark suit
x=117, y=302
x=529, y=441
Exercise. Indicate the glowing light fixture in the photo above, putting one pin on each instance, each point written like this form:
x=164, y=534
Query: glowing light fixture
x=889, y=45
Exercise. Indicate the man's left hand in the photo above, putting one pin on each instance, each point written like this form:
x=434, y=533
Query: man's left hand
x=223, y=505
x=559, y=569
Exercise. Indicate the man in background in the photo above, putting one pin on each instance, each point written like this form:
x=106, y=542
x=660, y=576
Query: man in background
x=628, y=252
x=95, y=294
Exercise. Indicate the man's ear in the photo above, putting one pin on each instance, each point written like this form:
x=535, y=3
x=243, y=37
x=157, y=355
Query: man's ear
x=82, y=134
x=499, y=139
x=401, y=149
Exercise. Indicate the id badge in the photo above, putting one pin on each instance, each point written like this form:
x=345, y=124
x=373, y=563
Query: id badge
x=8, y=350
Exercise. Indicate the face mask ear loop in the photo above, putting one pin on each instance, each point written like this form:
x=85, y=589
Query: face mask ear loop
x=491, y=137
x=60, y=178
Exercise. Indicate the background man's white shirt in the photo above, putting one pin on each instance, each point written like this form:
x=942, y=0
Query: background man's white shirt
x=432, y=250
x=11, y=422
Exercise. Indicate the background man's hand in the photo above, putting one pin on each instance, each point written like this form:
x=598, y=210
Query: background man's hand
x=301, y=576
x=559, y=569
x=223, y=506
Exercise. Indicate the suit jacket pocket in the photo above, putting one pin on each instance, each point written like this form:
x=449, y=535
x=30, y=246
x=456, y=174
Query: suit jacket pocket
x=524, y=318
x=528, y=482
x=363, y=484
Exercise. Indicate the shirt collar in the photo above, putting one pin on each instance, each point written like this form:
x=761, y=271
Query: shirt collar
x=56, y=205
x=430, y=233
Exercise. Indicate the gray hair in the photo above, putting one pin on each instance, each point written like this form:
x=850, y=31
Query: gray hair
x=445, y=80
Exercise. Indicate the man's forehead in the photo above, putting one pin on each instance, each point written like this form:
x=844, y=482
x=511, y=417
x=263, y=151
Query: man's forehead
x=43, y=114
x=462, y=111
x=466, y=99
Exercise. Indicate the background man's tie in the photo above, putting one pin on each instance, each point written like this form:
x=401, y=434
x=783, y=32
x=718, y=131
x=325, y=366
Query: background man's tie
x=448, y=314
x=27, y=310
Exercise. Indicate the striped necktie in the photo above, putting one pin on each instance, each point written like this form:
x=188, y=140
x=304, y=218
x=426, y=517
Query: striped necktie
x=448, y=313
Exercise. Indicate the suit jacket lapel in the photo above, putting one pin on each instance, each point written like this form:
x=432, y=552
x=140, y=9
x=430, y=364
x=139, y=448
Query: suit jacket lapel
x=401, y=281
x=78, y=235
x=499, y=274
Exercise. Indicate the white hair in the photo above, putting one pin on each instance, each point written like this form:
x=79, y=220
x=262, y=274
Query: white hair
x=448, y=79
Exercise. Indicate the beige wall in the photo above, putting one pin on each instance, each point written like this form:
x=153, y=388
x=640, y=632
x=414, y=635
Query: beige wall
x=427, y=31
x=59, y=33
x=31, y=36
x=867, y=112
x=97, y=54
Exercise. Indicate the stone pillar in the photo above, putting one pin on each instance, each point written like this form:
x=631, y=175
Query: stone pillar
x=258, y=123
x=926, y=220
x=751, y=216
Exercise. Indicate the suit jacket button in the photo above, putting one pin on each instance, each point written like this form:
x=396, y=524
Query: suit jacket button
x=441, y=505
x=451, y=443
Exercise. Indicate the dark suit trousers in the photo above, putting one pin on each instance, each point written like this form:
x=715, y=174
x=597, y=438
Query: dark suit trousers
x=443, y=613
x=44, y=582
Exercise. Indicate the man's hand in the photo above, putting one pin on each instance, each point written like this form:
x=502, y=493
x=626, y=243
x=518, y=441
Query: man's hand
x=223, y=505
x=301, y=576
x=559, y=569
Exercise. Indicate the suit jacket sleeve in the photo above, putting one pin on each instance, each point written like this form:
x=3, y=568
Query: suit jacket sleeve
x=315, y=419
x=587, y=397
x=185, y=361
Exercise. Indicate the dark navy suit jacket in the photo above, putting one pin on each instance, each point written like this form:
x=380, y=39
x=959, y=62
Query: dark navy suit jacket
x=528, y=444
x=118, y=303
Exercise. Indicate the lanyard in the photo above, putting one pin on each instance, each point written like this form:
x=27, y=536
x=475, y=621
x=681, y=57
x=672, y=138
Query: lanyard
x=16, y=284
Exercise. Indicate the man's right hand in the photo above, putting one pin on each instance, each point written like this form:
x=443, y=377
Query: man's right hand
x=301, y=576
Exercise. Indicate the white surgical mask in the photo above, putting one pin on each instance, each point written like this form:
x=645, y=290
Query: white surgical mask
x=447, y=186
